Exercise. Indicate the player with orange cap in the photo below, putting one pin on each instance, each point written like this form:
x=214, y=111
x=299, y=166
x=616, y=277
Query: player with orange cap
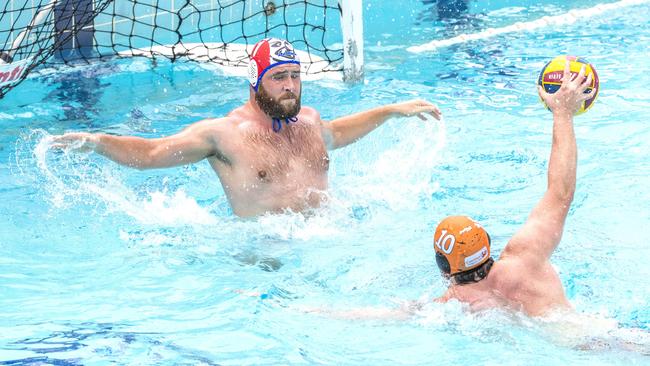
x=522, y=278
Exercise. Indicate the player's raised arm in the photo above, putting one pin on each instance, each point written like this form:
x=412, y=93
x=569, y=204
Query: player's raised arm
x=542, y=232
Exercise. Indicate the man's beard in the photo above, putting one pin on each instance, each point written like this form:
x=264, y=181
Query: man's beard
x=273, y=108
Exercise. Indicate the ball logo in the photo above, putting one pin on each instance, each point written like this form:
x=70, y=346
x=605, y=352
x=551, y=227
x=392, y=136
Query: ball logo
x=554, y=76
x=446, y=242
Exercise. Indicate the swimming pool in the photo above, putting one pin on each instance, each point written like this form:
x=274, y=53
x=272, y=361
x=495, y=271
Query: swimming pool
x=102, y=264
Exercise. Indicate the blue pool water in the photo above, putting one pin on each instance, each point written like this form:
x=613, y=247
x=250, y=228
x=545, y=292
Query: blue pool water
x=102, y=264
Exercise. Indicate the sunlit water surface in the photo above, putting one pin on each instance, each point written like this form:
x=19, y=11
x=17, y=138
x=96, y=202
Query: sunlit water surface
x=103, y=264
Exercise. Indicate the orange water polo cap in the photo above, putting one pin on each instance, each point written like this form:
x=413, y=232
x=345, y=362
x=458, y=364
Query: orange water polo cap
x=461, y=244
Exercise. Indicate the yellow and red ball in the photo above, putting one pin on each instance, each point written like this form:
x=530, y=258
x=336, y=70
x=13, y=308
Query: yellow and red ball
x=551, y=77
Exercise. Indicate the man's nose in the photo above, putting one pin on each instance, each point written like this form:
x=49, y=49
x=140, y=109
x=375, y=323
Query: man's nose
x=290, y=84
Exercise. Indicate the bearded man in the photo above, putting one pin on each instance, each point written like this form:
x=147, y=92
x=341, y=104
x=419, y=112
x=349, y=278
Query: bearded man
x=270, y=154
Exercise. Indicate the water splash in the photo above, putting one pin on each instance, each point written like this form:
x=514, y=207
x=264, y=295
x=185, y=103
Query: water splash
x=403, y=172
x=69, y=178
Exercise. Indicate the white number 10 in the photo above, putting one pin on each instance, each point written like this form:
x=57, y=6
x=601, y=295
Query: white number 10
x=446, y=242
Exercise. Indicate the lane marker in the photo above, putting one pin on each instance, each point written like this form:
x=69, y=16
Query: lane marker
x=563, y=19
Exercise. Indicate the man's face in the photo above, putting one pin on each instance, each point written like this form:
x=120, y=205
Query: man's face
x=279, y=92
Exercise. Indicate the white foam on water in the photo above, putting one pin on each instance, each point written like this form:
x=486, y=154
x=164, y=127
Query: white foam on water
x=12, y=116
x=592, y=332
x=70, y=178
x=160, y=208
x=298, y=226
x=570, y=329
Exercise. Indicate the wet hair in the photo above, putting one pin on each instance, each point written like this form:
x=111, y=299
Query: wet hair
x=474, y=274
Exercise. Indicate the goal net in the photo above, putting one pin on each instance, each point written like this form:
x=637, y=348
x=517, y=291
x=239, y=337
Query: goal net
x=222, y=32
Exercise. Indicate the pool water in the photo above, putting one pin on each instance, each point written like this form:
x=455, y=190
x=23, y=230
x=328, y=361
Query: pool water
x=103, y=264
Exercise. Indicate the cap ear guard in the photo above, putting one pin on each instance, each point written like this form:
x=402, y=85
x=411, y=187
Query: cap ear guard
x=252, y=74
x=443, y=263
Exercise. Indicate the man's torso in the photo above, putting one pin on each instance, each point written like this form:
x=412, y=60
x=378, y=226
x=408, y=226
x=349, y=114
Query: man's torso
x=266, y=171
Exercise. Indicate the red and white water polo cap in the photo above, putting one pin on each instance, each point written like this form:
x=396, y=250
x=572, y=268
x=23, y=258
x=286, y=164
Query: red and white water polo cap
x=268, y=53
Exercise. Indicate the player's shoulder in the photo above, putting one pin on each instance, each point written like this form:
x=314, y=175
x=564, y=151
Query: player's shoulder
x=310, y=113
x=513, y=270
x=214, y=123
x=212, y=128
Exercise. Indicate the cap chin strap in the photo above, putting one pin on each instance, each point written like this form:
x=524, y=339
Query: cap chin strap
x=473, y=275
x=277, y=123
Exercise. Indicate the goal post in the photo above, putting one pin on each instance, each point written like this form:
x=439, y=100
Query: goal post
x=352, y=28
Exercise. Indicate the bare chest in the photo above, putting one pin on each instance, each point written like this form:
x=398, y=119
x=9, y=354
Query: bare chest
x=296, y=152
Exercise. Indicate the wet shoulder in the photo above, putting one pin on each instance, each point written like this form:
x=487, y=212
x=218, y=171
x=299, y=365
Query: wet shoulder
x=508, y=274
x=217, y=128
x=212, y=123
x=310, y=115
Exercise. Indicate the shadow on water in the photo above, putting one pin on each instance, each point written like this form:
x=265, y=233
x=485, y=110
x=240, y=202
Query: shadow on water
x=82, y=336
x=79, y=92
x=454, y=15
x=470, y=61
x=265, y=263
x=449, y=9
x=451, y=18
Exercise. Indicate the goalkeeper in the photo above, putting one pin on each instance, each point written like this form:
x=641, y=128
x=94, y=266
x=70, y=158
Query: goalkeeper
x=270, y=154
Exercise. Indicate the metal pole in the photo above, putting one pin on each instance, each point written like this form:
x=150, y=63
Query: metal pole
x=352, y=27
x=74, y=29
